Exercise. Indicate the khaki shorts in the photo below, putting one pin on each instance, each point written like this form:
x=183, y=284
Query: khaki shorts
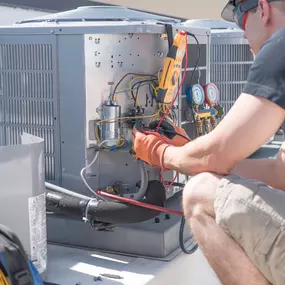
x=254, y=215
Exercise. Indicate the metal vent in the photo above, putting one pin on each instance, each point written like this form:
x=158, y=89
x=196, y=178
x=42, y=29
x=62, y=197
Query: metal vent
x=231, y=53
x=26, y=97
x=230, y=64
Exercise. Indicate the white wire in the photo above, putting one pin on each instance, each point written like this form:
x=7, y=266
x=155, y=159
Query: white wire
x=83, y=170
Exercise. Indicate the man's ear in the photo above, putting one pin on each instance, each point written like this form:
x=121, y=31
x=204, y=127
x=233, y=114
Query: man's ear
x=264, y=10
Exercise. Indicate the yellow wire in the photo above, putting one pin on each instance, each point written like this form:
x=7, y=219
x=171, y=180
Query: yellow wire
x=128, y=118
x=128, y=90
x=158, y=75
x=118, y=144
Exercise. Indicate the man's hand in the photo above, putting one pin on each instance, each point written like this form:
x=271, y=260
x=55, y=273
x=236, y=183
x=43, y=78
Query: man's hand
x=149, y=147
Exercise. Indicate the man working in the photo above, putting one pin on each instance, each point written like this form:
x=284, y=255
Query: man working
x=236, y=206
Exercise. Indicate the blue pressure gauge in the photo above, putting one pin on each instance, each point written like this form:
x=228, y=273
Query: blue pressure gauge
x=198, y=94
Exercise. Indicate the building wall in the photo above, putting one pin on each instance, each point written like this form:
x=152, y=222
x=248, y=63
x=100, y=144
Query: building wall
x=10, y=15
x=189, y=9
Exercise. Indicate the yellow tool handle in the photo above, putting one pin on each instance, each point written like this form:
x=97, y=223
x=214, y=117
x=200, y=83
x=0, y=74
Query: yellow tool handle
x=171, y=69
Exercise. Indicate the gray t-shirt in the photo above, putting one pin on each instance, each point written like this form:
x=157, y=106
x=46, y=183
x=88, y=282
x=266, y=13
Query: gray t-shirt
x=266, y=76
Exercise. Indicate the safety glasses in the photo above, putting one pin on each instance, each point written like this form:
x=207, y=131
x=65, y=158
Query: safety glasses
x=241, y=12
x=238, y=12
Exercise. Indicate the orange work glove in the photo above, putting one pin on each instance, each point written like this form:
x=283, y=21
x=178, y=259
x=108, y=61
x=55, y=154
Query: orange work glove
x=149, y=147
x=174, y=135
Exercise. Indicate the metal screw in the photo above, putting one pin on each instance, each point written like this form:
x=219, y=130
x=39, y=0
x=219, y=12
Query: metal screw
x=167, y=217
x=157, y=220
x=63, y=169
x=160, y=54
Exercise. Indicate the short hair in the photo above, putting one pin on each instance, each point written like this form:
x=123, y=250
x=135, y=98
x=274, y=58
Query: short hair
x=280, y=5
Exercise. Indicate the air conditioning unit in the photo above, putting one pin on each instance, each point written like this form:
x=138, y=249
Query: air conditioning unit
x=80, y=79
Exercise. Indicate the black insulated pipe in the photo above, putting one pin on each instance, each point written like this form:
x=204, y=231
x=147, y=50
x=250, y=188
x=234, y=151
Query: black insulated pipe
x=107, y=211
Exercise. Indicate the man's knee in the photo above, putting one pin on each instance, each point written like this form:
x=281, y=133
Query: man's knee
x=199, y=194
x=252, y=213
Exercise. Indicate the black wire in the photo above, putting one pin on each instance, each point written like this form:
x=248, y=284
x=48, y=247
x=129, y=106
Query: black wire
x=199, y=54
x=181, y=239
x=135, y=74
x=183, y=137
x=151, y=92
x=139, y=83
x=174, y=133
x=182, y=227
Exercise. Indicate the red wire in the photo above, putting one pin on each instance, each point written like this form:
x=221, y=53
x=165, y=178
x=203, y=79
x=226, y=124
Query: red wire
x=140, y=204
x=171, y=105
x=180, y=86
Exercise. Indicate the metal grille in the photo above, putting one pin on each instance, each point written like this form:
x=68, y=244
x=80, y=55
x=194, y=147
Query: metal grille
x=26, y=97
x=230, y=64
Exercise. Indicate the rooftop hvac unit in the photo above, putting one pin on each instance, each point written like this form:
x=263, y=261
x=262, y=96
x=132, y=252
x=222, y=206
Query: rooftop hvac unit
x=230, y=58
x=82, y=77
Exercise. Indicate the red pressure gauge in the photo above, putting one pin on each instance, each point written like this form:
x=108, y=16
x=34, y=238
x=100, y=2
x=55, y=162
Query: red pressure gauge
x=212, y=94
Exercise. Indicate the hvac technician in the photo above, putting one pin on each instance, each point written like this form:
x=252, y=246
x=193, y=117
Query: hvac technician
x=236, y=206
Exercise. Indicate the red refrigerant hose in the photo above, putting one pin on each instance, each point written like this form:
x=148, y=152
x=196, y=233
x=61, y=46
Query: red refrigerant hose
x=139, y=204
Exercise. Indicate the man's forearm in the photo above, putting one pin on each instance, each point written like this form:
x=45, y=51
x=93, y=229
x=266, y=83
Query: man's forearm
x=203, y=155
x=199, y=155
x=264, y=170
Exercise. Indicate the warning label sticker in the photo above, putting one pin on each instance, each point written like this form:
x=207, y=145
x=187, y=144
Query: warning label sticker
x=38, y=232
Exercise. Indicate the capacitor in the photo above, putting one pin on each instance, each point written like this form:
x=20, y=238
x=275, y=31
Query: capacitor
x=110, y=126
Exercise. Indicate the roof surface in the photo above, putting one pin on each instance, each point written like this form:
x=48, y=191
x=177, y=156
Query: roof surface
x=50, y=5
